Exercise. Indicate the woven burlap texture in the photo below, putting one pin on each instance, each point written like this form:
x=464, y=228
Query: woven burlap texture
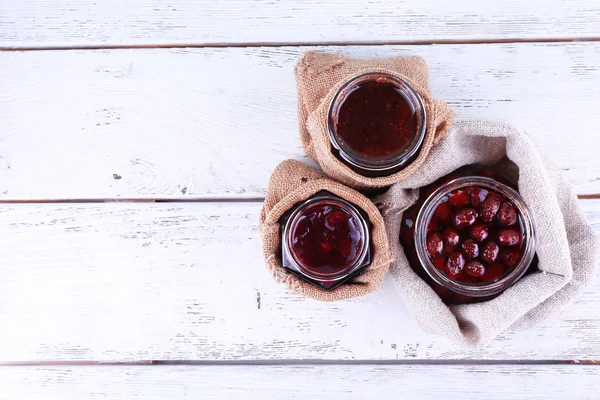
x=291, y=183
x=567, y=248
x=319, y=76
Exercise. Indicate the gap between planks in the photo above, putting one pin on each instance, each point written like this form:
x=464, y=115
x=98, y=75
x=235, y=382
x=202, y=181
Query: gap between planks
x=226, y=363
x=302, y=44
x=191, y=200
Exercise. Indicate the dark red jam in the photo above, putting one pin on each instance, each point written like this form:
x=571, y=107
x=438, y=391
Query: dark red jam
x=326, y=239
x=475, y=235
x=376, y=124
x=376, y=121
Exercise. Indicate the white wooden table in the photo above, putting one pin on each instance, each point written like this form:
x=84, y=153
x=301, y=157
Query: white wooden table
x=136, y=142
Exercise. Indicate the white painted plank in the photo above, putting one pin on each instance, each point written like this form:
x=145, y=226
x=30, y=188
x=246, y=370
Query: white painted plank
x=151, y=22
x=436, y=382
x=213, y=123
x=187, y=281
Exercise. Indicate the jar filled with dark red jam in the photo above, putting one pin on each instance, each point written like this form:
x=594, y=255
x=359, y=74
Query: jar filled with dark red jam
x=325, y=240
x=470, y=235
x=376, y=124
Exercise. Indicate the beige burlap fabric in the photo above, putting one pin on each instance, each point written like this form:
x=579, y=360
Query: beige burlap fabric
x=292, y=183
x=320, y=76
x=567, y=247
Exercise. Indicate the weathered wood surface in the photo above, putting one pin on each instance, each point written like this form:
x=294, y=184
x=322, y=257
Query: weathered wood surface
x=435, y=382
x=213, y=123
x=89, y=282
x=170, y=22
x=186, y=281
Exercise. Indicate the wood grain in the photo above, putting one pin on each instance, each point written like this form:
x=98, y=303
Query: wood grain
x=213, y=123
x=292, y=382
x=158, y=22
x=186, y=281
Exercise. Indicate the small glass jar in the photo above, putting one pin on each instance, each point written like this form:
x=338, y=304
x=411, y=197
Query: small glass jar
x=376, y=124
x=470, y=235
x=325, y=240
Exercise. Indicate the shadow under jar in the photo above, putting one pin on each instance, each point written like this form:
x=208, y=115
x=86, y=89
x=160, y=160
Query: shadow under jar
x=470, y=235
x=325, y=240
x=376, y=124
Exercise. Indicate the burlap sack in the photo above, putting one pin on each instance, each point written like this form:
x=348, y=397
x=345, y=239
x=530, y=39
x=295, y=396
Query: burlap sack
x=291, y=183
x=566, y=244
x=320, y=76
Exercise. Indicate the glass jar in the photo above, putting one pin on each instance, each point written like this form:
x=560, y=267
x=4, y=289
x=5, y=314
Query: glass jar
x=376, y=124
x=470, y=235
x=325, y=240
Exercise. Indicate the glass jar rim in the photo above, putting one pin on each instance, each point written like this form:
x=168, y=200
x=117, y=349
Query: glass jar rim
x=353, y=211
x=412, y=97
x=475, y=289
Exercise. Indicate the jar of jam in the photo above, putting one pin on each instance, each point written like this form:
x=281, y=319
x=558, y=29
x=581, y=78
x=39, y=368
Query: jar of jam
x=376, y=124
x=470, y=235
x=325, y=240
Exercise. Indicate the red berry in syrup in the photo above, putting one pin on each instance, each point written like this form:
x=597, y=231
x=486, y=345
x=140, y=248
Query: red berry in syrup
x=451, y=237
x=471, y=249
x=490, y=208
x=335, y=218
x=509, y=257
x=326, y=245
x=448, y=250
x=435, y=245
x=443, y=212
x=458, y=198
x=455, y=264
x=507, y=215
x=490, y=252
x=509, y=237
x=477, y=196
x=440, y=262
x=475, y=269
x=465, y=217
x=479, y=231
x=493, y=272
x=433, y=225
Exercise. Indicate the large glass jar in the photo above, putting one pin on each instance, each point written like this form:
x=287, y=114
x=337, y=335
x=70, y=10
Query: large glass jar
x=470, y=235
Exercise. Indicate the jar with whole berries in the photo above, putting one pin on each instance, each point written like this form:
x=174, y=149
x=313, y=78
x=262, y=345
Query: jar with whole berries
x=470, y=235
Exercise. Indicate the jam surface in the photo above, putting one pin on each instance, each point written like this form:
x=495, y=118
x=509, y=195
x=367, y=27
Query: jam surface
x=475, y=235
x=376, y=121
x=326, y=239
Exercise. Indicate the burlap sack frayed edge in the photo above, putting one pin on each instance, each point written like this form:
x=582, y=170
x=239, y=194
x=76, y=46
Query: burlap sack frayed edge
x=291, y=183
x=567, y=247
x=320, y=76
